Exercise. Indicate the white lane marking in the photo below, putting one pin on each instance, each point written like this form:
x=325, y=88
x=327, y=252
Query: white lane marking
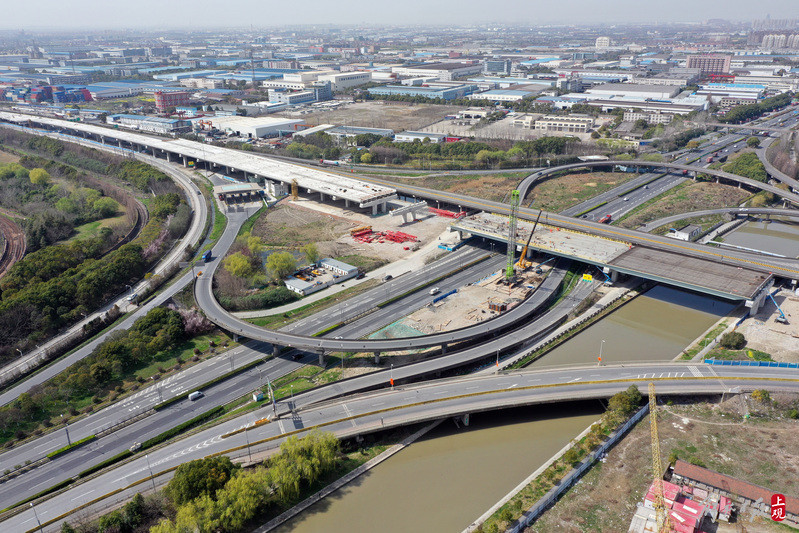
x=695, y=371
x=48, y=444
x=349, y=414
x=574, y=380
x=472, y=388
x=82, y=495
x=280, y=425
x=378, y=403
x=512, y=386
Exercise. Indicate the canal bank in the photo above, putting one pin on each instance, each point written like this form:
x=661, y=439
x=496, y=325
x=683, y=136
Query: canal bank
x=448, y=478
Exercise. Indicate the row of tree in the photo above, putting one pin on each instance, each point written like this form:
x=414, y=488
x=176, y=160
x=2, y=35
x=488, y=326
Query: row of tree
x=744, y=113
x=213, y=495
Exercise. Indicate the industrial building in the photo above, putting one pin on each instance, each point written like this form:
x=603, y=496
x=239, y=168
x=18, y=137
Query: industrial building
x=686, y=233
x=150, y=124
x=340, y=81
x=164, y=100
x=710, y=63
x=410, y=136
x=252, y=127
x=497, y=66
x=653, y=117
x=442, y=71
x=432, y=91
x=634, y=90
x=344, y=132
x=566, y=124
x=505, y=95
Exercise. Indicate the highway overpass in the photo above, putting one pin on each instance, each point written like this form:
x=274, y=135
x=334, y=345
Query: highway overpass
x=252, y=166
x=401, y=405
x=734, y=211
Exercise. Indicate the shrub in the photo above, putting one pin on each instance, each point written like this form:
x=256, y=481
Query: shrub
x=733, y=340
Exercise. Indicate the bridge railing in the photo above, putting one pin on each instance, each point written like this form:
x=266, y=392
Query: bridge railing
x=771, y=364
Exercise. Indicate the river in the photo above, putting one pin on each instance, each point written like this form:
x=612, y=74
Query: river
x=778, y=237
x=446, y=480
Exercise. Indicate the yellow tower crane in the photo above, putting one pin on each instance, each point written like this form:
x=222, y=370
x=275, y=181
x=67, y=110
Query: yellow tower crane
x=661, y=517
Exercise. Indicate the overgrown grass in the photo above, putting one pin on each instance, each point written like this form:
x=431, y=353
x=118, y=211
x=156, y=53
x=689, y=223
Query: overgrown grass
x=712, y=334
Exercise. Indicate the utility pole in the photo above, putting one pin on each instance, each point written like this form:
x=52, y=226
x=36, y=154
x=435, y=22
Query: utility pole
x=37, y=517
x=152, y=478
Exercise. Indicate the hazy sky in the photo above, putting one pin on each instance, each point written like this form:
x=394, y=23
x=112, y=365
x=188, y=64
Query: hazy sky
x=68, y=14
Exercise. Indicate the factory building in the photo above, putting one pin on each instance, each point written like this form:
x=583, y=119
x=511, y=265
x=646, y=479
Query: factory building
x=255, y=127
x=438, y=90
x=566, y=124
x=164, y=100
x=710, y=63
x=150, y=124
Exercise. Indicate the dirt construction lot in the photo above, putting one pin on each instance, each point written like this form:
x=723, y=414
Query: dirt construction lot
x=764, y=333
x=558, y=193
x=685, y=198
x=292, y=224
x=397, y=116
x=758, y=450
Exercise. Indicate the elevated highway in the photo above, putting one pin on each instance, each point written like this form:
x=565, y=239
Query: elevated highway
x=734, y=211
x=401, y=405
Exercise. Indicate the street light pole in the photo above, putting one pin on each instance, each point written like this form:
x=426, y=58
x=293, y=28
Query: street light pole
x=601, y=344
x=37, y=517
x=147, y=458
x=247, y=436
x=66, y=429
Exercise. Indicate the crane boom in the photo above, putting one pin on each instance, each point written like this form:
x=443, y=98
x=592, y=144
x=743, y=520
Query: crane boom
x=661, y=517
x=514, y=209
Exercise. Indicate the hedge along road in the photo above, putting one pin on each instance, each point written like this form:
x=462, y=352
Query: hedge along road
x=396, y=407
x=193, y=236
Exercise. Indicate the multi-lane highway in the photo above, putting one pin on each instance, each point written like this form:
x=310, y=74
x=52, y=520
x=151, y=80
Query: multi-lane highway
x=407, y=404
x=154, y=424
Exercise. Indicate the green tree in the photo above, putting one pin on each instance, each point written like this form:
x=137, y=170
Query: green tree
x=39, y=176
x=255, y=244
x=106, y=207
x=734, y=340
x=280, y=264
x=692, y=145
x=238, y=264
x=753, y=142
x=311, y=252
x=202, y=476
x=366, y=158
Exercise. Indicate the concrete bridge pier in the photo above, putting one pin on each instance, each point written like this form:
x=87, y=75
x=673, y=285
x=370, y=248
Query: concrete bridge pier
x=321, y=197
x=322, y=358
x=346, y=203
x=275, y=350
x=153, y=151
x=119, y=144
x=377, y=357
x=185, y=161
x=443, y=348
x=168, y=157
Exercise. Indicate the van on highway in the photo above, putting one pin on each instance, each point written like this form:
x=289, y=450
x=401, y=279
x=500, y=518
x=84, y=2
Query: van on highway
x=434, y=290
x=196, y=395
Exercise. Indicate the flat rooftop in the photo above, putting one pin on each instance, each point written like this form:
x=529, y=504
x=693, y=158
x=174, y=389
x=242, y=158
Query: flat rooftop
x=333, y=184
x=714, y=276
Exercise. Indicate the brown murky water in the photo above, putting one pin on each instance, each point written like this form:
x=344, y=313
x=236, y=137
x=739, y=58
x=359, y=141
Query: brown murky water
x=777, y=237
x=446, y=480
x=655, y=326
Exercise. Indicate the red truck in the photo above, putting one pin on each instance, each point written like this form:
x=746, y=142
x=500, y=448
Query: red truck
x=709, y=159
x=606, y=219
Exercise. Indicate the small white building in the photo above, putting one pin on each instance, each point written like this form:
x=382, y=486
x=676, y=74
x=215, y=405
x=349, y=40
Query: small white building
x=339, y=267
x=687, y=233
x=410, y=136
x=344, y=80
x=256, y=127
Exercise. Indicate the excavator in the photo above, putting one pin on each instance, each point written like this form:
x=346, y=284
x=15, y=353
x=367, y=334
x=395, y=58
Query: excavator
x=523, y=263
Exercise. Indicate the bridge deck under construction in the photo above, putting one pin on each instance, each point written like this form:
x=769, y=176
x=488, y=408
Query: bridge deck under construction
x=676, y=269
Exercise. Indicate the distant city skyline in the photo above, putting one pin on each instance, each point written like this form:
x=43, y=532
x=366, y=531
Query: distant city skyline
x=94, y=14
